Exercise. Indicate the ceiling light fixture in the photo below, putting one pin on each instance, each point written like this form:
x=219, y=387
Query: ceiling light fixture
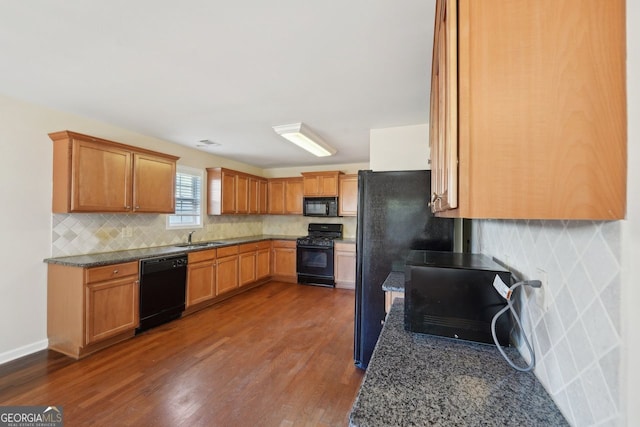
x=303, y=137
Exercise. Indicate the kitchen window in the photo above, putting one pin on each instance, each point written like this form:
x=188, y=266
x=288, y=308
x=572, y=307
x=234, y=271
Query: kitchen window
x=188, y=199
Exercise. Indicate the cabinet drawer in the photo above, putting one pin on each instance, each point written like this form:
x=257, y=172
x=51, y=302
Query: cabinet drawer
x=198, y=256
x=254, y=246
x=228, y=251
x=247, y=247
x=284, y=243
x=345, y=247
x=113, y=271
x=265, y=244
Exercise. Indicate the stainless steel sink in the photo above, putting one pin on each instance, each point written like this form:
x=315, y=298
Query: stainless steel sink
x=199, y=244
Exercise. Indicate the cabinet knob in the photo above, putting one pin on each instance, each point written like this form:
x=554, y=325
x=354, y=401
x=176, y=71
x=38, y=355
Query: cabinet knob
x=137, y=207
x=128, y=207
x=115, y=271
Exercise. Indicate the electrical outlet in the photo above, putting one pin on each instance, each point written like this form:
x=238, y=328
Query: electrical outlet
x=127, y=232
x=542, y=294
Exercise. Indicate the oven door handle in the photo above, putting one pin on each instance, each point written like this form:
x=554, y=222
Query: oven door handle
x=314, y=247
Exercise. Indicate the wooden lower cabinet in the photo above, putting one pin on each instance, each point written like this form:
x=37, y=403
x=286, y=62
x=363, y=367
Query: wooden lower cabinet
x=227, y=274
x=201, y=277
x=254, y=259
x=247, y=266
x=263, y=262
x=345, y=265
x=284, y=261
x=389, y=296
x=91, y=308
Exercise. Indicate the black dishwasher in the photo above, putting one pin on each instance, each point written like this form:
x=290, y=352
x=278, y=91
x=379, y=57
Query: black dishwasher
x=162, y=290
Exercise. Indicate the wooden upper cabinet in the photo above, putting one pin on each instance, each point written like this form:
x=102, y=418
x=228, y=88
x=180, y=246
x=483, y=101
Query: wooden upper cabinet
x=257, y=195
x=233, y=192
x=154, y=182
x=348, y=195
x=293, y=188
x=285, y=196
x=540, y=111
x=96, y=175
x=242, y=193
x=443, y=134
x=276, y=196
x=320, y=184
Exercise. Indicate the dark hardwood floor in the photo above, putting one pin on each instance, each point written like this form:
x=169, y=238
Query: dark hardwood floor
x=278, y=355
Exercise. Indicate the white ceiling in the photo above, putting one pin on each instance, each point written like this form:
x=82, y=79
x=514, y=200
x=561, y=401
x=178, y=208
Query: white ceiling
x=226, y=71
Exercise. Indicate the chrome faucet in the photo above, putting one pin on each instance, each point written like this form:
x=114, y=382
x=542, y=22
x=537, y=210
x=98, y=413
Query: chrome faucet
x=189, y=238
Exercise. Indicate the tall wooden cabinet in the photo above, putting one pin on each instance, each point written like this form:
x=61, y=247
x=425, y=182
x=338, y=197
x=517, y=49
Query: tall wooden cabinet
x=96, y=175
x=540, y=109
x=91, y=308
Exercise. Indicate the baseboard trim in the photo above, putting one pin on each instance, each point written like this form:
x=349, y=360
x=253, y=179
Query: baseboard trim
x=25, y=350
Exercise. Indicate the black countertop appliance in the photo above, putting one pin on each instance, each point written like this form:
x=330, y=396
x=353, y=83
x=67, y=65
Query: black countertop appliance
x=452, y=295
x=393, y=219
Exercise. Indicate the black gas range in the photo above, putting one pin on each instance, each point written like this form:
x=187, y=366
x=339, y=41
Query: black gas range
x=314, y=260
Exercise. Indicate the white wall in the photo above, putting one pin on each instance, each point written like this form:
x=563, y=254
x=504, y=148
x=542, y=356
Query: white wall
x=26, y=226
x=399, y=148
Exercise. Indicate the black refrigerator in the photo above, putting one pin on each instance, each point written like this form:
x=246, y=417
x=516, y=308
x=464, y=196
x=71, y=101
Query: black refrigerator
x=393, y=219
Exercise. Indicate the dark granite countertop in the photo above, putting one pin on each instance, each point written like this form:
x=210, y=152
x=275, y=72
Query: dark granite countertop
x=394, y=282
x=422, y=380
x=106, y=258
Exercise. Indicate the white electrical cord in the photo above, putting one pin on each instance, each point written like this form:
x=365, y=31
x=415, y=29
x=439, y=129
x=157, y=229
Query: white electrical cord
x=509, y=306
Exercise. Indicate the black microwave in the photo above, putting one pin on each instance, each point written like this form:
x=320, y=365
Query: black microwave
x=320, y=206
x=451, y=294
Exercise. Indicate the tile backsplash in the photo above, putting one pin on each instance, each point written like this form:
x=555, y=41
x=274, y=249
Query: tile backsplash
x=75, y=234
x=575, y=321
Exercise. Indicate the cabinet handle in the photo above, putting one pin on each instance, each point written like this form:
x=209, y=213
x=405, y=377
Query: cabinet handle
x=137, y=207
x=128, y=207
x=115, y=271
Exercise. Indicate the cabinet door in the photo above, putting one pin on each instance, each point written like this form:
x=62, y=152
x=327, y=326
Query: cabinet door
x=444, y=110
x=101, y=178
x=263, y=196
x=348, y=196
x=284, y=262
x=227, y=274
x=228, y=192
x=311, y=185
x=293, y=196
x=111, y=308
x=276, y=196
x=263, y=263
x=154, y=184
x=254, y=196
x=242, y=194
x=320, y=184
x=247, y=273
x=329, y=185
x=345, y=266
x=201, y=282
